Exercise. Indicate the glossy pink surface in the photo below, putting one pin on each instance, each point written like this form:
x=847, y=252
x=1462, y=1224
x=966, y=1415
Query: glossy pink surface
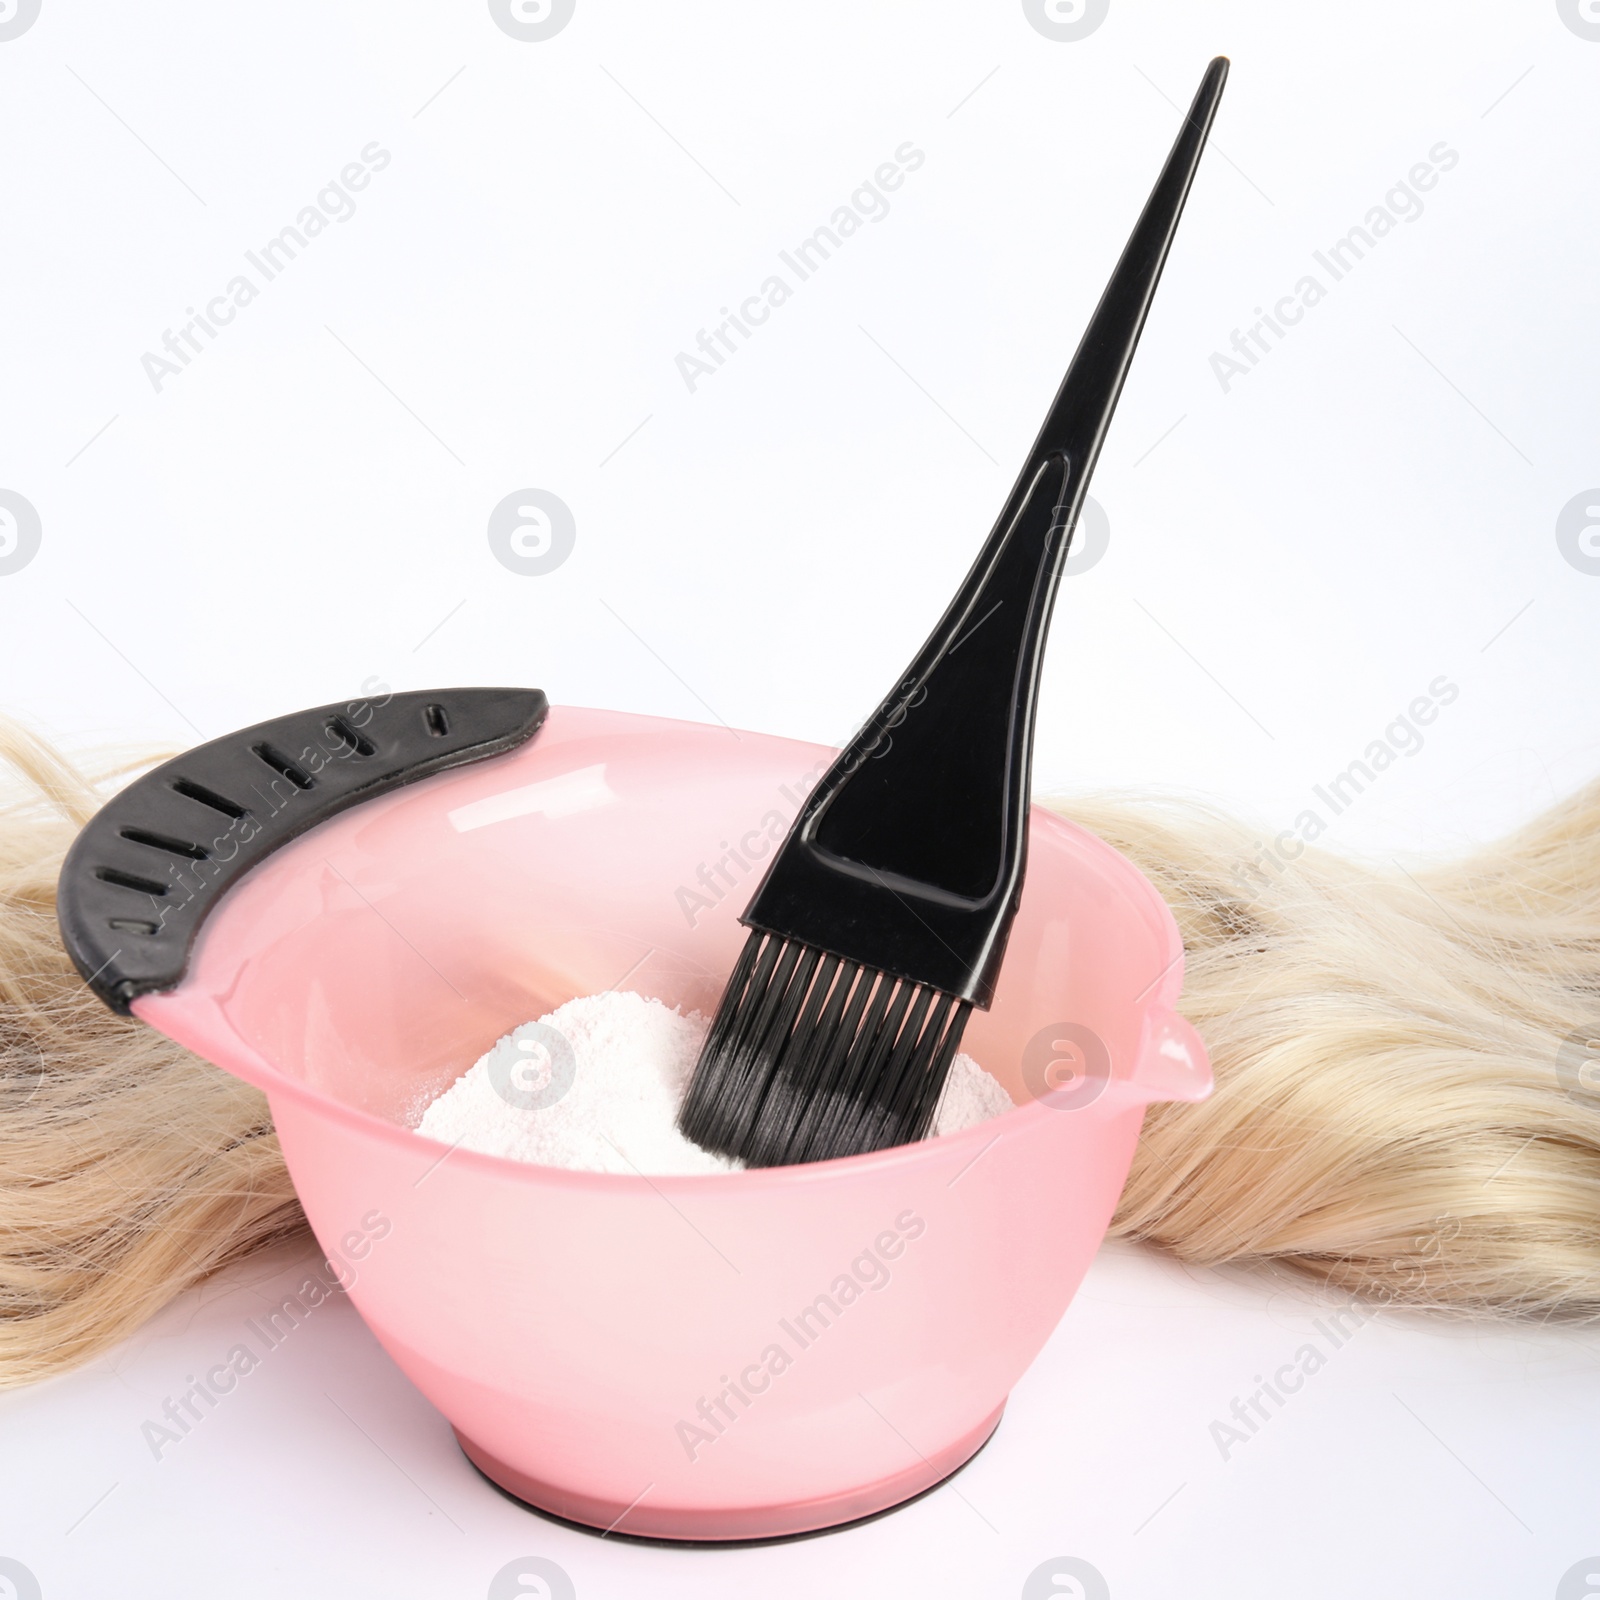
x=708, y=1357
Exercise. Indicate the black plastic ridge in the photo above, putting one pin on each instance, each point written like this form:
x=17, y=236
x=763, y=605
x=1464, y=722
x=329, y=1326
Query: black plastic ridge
x=149, y=867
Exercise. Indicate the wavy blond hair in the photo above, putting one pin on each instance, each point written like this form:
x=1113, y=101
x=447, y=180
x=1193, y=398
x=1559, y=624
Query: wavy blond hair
x=129, y=1169
x=1400, y=1107
x=1406, y=1106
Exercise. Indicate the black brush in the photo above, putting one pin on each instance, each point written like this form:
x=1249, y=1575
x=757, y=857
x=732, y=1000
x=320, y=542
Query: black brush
x=884, y=915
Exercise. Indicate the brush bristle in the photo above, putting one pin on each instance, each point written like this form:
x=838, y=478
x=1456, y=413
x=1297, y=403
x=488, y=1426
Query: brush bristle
x=811, y=1057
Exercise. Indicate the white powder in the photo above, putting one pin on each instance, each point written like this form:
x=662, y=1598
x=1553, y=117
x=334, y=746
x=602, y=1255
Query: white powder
x=596, y=1085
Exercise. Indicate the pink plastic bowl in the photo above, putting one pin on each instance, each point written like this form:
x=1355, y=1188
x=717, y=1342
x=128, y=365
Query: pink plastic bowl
x=748, y=1355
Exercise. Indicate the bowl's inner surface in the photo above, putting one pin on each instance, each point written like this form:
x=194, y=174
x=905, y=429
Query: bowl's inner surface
x=378, y=956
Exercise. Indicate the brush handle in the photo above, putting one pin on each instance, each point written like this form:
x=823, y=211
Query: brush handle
x=910, y=853
x=1076, y=424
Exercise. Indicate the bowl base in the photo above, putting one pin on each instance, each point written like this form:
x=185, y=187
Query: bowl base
x=732, y=1525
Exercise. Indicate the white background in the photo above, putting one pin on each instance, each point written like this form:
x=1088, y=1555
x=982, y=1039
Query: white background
x=304, y=508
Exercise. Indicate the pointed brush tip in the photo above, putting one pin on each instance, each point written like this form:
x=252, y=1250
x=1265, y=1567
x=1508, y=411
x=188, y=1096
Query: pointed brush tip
x=1209, y=94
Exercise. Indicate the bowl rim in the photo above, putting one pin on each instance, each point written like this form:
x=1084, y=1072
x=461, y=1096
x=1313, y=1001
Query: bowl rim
x=193, y=1018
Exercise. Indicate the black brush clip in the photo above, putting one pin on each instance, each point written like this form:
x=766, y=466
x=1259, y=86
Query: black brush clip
x=930, y=799
x=154, y=862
